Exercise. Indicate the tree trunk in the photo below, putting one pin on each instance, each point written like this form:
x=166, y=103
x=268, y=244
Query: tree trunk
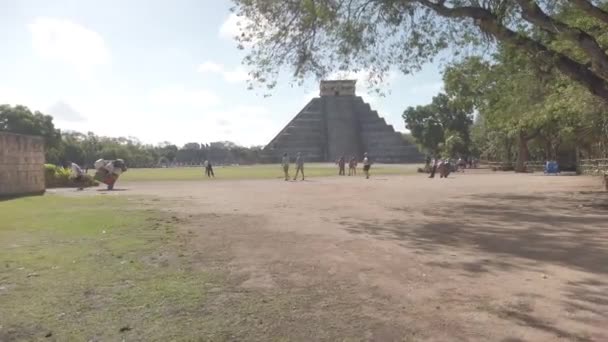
x=577, y=159
x=556, y=147
x=523, y=154
x=508, y=151
x=548, y=147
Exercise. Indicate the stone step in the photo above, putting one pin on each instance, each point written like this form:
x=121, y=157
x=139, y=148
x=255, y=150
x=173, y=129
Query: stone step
x=384, y=140
x=301, y=134
x=306, y=124
x=300, y=148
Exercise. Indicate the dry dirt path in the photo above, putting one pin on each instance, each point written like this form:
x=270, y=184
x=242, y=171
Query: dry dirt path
x=476, y=257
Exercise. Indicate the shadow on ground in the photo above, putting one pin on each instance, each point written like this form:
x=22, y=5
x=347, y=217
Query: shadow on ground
x=506, y=232
x=564, y=229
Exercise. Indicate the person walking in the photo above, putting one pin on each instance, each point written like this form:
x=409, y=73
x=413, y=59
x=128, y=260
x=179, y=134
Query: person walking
x=341, y=166
x=434, y=167
x=78, y=175
x=285, y=165
x=352, y=166
x=299, y=166
x=367, y=165
x=209, y=170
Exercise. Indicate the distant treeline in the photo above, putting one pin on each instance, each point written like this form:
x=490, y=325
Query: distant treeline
x=84, y=149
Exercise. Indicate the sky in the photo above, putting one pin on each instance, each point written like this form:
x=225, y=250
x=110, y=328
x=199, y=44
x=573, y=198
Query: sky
x=158, y=70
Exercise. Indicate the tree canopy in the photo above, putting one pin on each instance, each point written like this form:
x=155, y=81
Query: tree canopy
x=317, y=37
x=440, y=127
x=20, y=119
x=524, y=112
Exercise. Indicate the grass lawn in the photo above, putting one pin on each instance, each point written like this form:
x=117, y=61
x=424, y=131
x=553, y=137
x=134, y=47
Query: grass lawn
x=95, y=268
x=252, y=172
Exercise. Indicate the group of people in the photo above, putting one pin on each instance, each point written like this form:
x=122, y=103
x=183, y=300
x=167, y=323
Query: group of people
x=106, y=171
x=299, y=166
x=443, y=166
x=352, y=166
x=447, y=166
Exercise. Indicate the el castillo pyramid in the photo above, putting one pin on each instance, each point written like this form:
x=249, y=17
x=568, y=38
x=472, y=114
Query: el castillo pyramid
x=337, y=123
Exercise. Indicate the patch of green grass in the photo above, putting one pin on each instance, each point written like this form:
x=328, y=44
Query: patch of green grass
x=265, y=171
x=84, y=268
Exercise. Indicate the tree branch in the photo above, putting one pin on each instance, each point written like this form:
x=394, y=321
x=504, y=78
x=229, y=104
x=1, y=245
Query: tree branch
x=591, y=10
x=532, y=13
x=490, y=24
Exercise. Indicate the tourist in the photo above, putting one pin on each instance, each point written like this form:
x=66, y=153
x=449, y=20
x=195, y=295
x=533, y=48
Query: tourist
x=352, y=166
x=299, y=166
x=341, y=166
x=209, y=169
x=434, y=167
x=285, y=165
x=78, y=175
x=461, y=165
x=367, y=165
x=445, y=167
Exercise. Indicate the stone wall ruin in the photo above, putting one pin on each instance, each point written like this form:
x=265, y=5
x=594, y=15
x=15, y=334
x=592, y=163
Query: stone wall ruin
x=21, y=164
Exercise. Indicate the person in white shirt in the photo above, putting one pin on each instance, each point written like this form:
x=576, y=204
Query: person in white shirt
x=285, y=165
x=366, y=165
x=209, y=169
x=78, y=174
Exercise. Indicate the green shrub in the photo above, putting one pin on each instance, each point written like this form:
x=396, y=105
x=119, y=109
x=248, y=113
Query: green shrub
x=59, y=177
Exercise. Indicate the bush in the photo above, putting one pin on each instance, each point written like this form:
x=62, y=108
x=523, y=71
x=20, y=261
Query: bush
x=59, y=177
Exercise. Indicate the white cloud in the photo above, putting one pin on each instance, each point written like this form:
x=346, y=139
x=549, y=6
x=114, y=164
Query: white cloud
x=236, y=75
x=210, y=67
x=68, y=42
x=15, y=97
x=180, y=96
x=427, y=89
x=232, y=26
x=235, y=25
x=65, y=112
x=235, y=124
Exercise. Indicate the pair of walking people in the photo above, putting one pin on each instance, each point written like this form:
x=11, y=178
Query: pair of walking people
x=299, y=166
x=352, y=166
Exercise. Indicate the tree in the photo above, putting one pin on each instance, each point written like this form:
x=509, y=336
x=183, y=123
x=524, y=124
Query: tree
x=320, y=36
x=192, y=146
x=511, y=94
x=521, y=104
x=440, y=127
x=19, y=119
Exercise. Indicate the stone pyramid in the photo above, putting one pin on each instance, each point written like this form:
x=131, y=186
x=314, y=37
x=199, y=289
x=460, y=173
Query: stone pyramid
x=340, y=123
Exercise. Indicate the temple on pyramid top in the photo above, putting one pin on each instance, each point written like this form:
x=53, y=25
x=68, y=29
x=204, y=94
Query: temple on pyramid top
x=338, y=88
x=339, y=123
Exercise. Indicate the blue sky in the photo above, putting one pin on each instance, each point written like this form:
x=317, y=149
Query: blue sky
x=157, y=70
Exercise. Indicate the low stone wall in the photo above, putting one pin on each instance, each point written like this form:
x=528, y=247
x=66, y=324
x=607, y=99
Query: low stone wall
x=593, y=167
x=21, y=164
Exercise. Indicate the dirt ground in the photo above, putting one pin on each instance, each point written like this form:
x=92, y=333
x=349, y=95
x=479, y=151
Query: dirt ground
x=475, y=257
